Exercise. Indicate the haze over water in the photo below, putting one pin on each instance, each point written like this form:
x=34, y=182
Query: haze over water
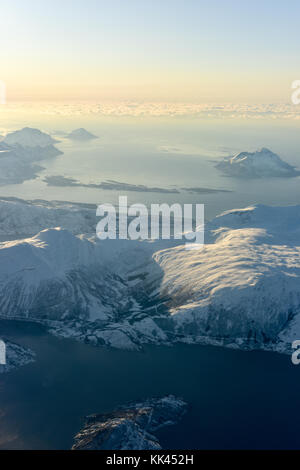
x=164, y=152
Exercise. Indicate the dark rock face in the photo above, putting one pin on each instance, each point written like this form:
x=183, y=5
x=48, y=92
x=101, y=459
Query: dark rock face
x=130, y=427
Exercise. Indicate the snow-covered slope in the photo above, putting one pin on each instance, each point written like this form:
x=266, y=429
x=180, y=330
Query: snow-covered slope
x=80, y=287
x=91, y=290
x=241, y=289
x=24, y=219
x=81, y=134
x=130, y=427
x=262, y=163
x=58, y=276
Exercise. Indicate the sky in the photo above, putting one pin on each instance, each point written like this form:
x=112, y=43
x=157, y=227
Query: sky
x=196, y=51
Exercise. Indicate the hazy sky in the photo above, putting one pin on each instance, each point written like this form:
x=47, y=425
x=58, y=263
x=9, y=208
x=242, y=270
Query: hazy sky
x=158, y=50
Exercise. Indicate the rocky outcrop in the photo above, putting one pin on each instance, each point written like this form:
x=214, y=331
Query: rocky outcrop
x=130, y=427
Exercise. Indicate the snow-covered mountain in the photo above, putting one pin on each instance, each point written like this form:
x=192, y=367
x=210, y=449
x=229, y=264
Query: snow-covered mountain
x=130, y=427
x=81, y=134
x=19, y=152
x=31, y=144
x=29, y=137
x=242, y=289
x=80, y=286
x=262, y=163
x=57, y=276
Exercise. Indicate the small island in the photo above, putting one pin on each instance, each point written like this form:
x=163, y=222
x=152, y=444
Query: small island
x=130, y=427
x=81, y=134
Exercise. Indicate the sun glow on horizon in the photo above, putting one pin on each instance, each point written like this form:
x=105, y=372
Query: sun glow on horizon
x=149, y=51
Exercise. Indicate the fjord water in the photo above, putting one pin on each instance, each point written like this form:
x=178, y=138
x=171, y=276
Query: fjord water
x=236, y=399
x=167, y=153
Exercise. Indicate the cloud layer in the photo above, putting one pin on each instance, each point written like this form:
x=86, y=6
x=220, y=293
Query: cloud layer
x=286, y=111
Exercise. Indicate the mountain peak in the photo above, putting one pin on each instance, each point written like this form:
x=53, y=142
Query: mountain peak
x=261, y=163
x=29, y=137
x=81, y=134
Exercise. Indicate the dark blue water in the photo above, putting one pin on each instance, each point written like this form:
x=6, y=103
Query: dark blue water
x=236, y=399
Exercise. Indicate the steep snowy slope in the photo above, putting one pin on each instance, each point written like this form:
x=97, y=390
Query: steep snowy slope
x=80, y=287
x=94, y=291
x=56, y=276
x=262, y=163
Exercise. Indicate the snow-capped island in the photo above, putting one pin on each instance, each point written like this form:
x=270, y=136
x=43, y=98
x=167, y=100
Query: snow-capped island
x=32, y=144
x=29, y=137
x=260, y=164
x=81, y=134
x=130, y=427
x=19, y=152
